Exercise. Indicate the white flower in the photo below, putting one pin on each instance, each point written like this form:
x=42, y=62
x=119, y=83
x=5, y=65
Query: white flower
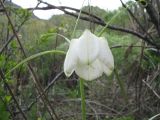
x=89, y=56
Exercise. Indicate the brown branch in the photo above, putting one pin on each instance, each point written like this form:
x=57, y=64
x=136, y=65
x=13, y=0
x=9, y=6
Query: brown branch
x=155, y=93
x=149, y=38
x=121, y=46
x=95, y=19
x=11, y=38
x=93, y=102
x=1, y=10
x=11, y=93
x=64, y=9
x=153, y=16
x=35, y=78
x=45, y=90
x=18, y=29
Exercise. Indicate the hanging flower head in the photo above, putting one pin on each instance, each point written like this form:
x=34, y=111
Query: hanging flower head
x=89, y=56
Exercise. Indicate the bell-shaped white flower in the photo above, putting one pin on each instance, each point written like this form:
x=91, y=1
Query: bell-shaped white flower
x=89, y=56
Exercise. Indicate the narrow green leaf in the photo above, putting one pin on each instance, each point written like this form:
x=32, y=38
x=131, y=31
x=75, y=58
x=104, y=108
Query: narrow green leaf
x=35, y=56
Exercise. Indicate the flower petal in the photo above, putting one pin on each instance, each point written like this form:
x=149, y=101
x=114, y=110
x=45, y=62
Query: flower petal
x=89, y=72
x=71, y=58
x=106, y=70
x=88, y=47
x=105, y=56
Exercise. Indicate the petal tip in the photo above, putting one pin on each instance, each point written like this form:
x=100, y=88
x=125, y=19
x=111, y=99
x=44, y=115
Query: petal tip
x=109, y=71
x=68, y=73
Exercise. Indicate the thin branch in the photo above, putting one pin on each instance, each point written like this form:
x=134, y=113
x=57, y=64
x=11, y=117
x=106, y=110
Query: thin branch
x=1, y=10
x=94, y=19
x=153, y=15
x=18, y=29
x=121, y=46
x=94, y=110
x=11, y=93
x=45, y=90
x=155, y=93
x=35, y=78
x=88, y=114
x=93, y=102
x=150, y=37
x=11, y=38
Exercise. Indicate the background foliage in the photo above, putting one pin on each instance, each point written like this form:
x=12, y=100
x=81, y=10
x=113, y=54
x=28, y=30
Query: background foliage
x=136, y=62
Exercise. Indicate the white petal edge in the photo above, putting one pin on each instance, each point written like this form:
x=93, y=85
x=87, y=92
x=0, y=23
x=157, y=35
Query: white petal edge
x=89, y=72
x=105, y=56
x=106, y=70
x=71, y=58
x=88, y=47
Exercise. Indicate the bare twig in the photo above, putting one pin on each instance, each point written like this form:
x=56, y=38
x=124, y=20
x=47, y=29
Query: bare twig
x=93, y=102
x=97, y=20
x=11, y=93
x=38, y=85
x=18, y=29
x=121, y=46
x=150, y=37
x=94, y=19
x=153, y=15
x=45, y=90
x=155, y=93
x=11, y=38
x=94, y=110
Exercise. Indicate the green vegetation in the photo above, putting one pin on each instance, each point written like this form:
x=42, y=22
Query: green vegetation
x=136, y=64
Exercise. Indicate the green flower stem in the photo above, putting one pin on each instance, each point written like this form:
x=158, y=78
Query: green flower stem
x=122, y=86
x=35, y=56
x=83, y=104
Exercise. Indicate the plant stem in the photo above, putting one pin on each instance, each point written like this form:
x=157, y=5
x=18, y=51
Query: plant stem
x=83, y=104
x=122, y=86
